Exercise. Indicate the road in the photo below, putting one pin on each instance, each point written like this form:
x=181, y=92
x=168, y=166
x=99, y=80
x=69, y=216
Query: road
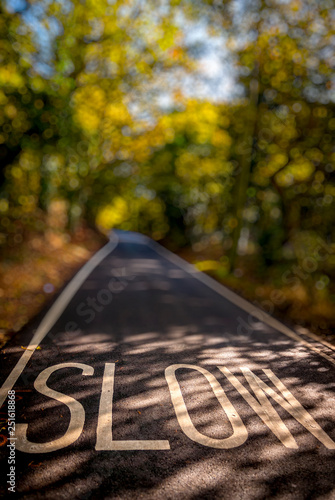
x=147, y=379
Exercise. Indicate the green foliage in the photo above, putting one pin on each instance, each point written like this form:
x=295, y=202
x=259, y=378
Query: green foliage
x=88, y=127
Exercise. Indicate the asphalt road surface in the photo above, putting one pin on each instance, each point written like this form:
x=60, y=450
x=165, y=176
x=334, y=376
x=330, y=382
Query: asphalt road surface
x=147, y=379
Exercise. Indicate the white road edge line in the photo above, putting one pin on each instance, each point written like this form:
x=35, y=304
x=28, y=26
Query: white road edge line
x=236, y=299
x=55, y=312
x=312, y=336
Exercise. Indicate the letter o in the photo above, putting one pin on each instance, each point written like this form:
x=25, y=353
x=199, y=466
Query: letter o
x=240, y=433
x=309, y=264
x=104, y=296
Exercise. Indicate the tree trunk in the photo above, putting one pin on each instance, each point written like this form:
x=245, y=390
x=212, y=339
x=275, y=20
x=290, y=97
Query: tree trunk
x=247, y=147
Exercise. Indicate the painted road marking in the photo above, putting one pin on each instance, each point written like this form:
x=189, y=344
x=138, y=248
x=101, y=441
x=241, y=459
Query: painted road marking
x=312, y=336
x=236, y=299
x=240, y=433
x=77, y=413
x=55, y=312
x=285, y=399
x=62, y=301
x=105, y=442
x=262, y=407
x=105, y=439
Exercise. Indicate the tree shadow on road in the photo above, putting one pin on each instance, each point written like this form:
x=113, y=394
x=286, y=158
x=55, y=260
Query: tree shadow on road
x=161, y=319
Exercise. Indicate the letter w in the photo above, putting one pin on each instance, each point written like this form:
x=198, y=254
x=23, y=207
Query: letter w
x=268, y=414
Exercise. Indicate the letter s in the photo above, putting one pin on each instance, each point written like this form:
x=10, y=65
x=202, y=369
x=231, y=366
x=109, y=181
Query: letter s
x=77, y=413
x=288, y=280
x=85, y=312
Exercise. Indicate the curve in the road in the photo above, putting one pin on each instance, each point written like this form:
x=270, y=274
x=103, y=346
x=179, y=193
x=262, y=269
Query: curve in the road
x=70, y=290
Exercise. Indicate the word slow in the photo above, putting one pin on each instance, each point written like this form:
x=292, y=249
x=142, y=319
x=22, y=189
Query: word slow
x=258, y=399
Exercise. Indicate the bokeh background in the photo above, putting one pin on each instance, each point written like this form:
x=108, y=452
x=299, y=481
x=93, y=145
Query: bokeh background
x=207, y=125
